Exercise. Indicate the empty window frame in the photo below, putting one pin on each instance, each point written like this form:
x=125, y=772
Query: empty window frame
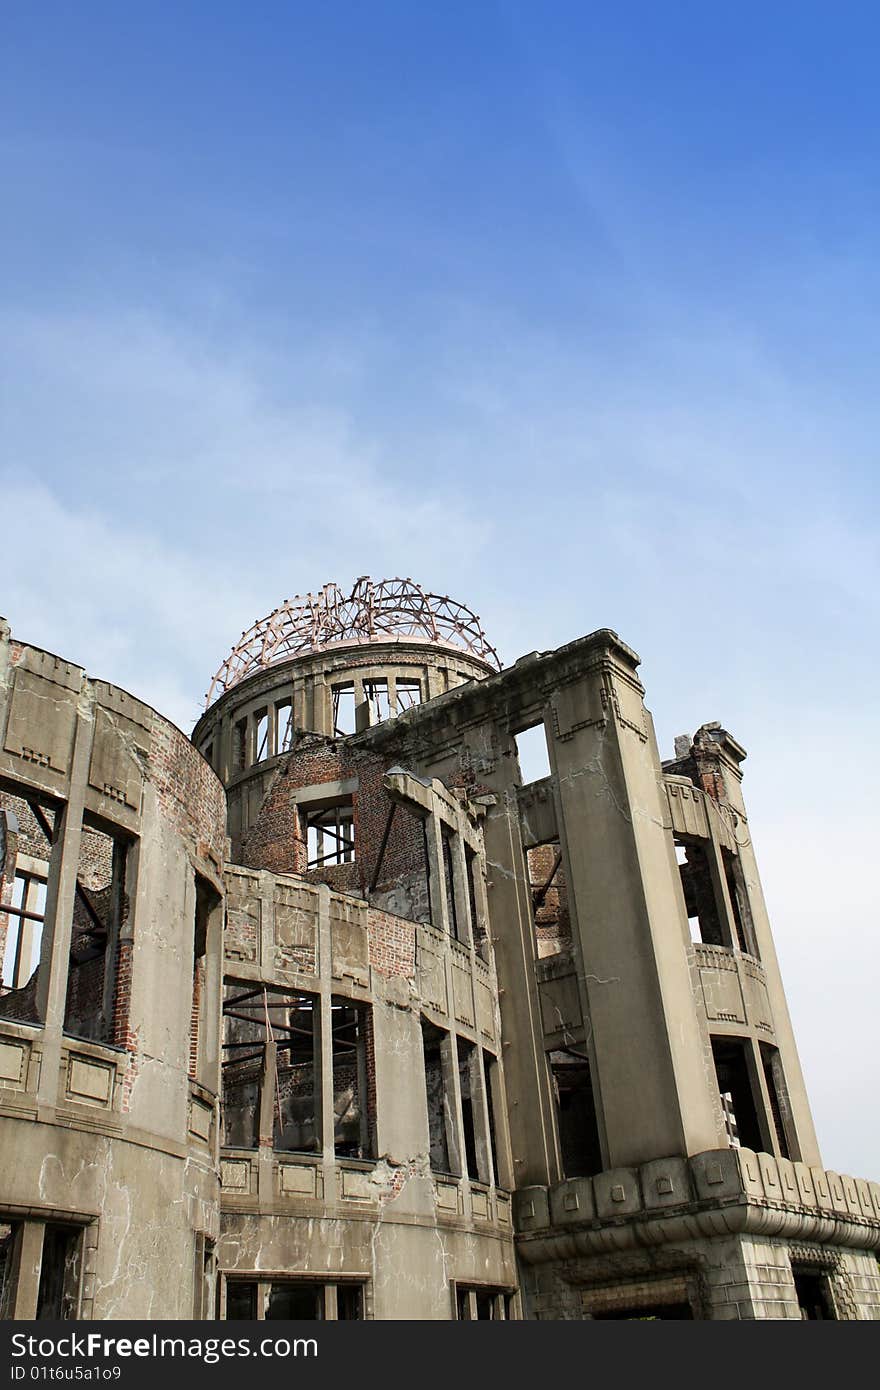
x=737, y=1091
x=491, y=1075
x=408, y=693
x=269, y=1072
x=704, y=919
x=480, y=1302
x=473, y=1113
x=330, y=835
x=814, y=1293
x=353, y=1110
x=296, y=1300
x=25, y=913
x=442, y=1143
x=342, y=699
x=100, y=910
x=60, y=1271
x=261, y=735
x=283, y=726
x=579, y=1141
x=378, y=699
x=27, y=837
x=532, y=754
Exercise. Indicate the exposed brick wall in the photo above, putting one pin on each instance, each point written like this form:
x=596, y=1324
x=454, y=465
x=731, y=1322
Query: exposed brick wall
x=277, y=840
x=392, y=942
x=552, y=921
x=189, y=794
x=31, y=839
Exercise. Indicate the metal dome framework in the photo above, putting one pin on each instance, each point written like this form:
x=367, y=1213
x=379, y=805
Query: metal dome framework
x=391, y=610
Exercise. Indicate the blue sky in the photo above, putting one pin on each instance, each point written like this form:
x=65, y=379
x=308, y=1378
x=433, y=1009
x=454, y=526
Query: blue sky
x=569, y=311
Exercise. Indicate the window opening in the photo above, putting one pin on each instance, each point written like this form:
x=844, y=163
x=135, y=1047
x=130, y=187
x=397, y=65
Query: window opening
x=269, y=1074
x=58, y=1293
x=737, y=1096
x=701, y=904
x=409, y=694
x=576, y=1114
x=533, y=754
x=25, y=912
x=284, y=726
x=813, y=1294
x=352, y=1111
x=261, y=735
x=330, y=836
x=455, y=928
x=440, y=1121
x=343, y=709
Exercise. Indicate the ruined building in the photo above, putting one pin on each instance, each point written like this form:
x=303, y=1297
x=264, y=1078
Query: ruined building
x=325, y=1014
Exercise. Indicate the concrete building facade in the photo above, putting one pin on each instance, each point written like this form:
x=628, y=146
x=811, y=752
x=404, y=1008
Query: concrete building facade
x=325, y=1013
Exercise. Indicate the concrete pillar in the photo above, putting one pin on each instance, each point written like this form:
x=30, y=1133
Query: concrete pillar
x=653, y=1075
x=534, y=1146
x=30, y=1258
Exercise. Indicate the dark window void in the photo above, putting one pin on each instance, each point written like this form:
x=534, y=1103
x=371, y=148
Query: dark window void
x=342, y=697
x=472, y=868
x=295, y=1300
x=353, y=1112
x=441, y=1128
x=207, y=899
x=737, y=1093
x=576, y=1115
x=701, y=904
x=239, y=746
x=58, y=1294
x=10, y=1237
x=241, y=1300
x=813, y=1288
x=739, y=903
x=349, y=1302
x=476, y=1158
x=330, y=835
x=478, y=1302
x=457, y=925
x=777, y=1091
x=269, y=1047
x=490, y=1072
x=100, y=911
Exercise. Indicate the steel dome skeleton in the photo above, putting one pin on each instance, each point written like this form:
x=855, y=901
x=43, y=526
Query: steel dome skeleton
x=391, y=610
